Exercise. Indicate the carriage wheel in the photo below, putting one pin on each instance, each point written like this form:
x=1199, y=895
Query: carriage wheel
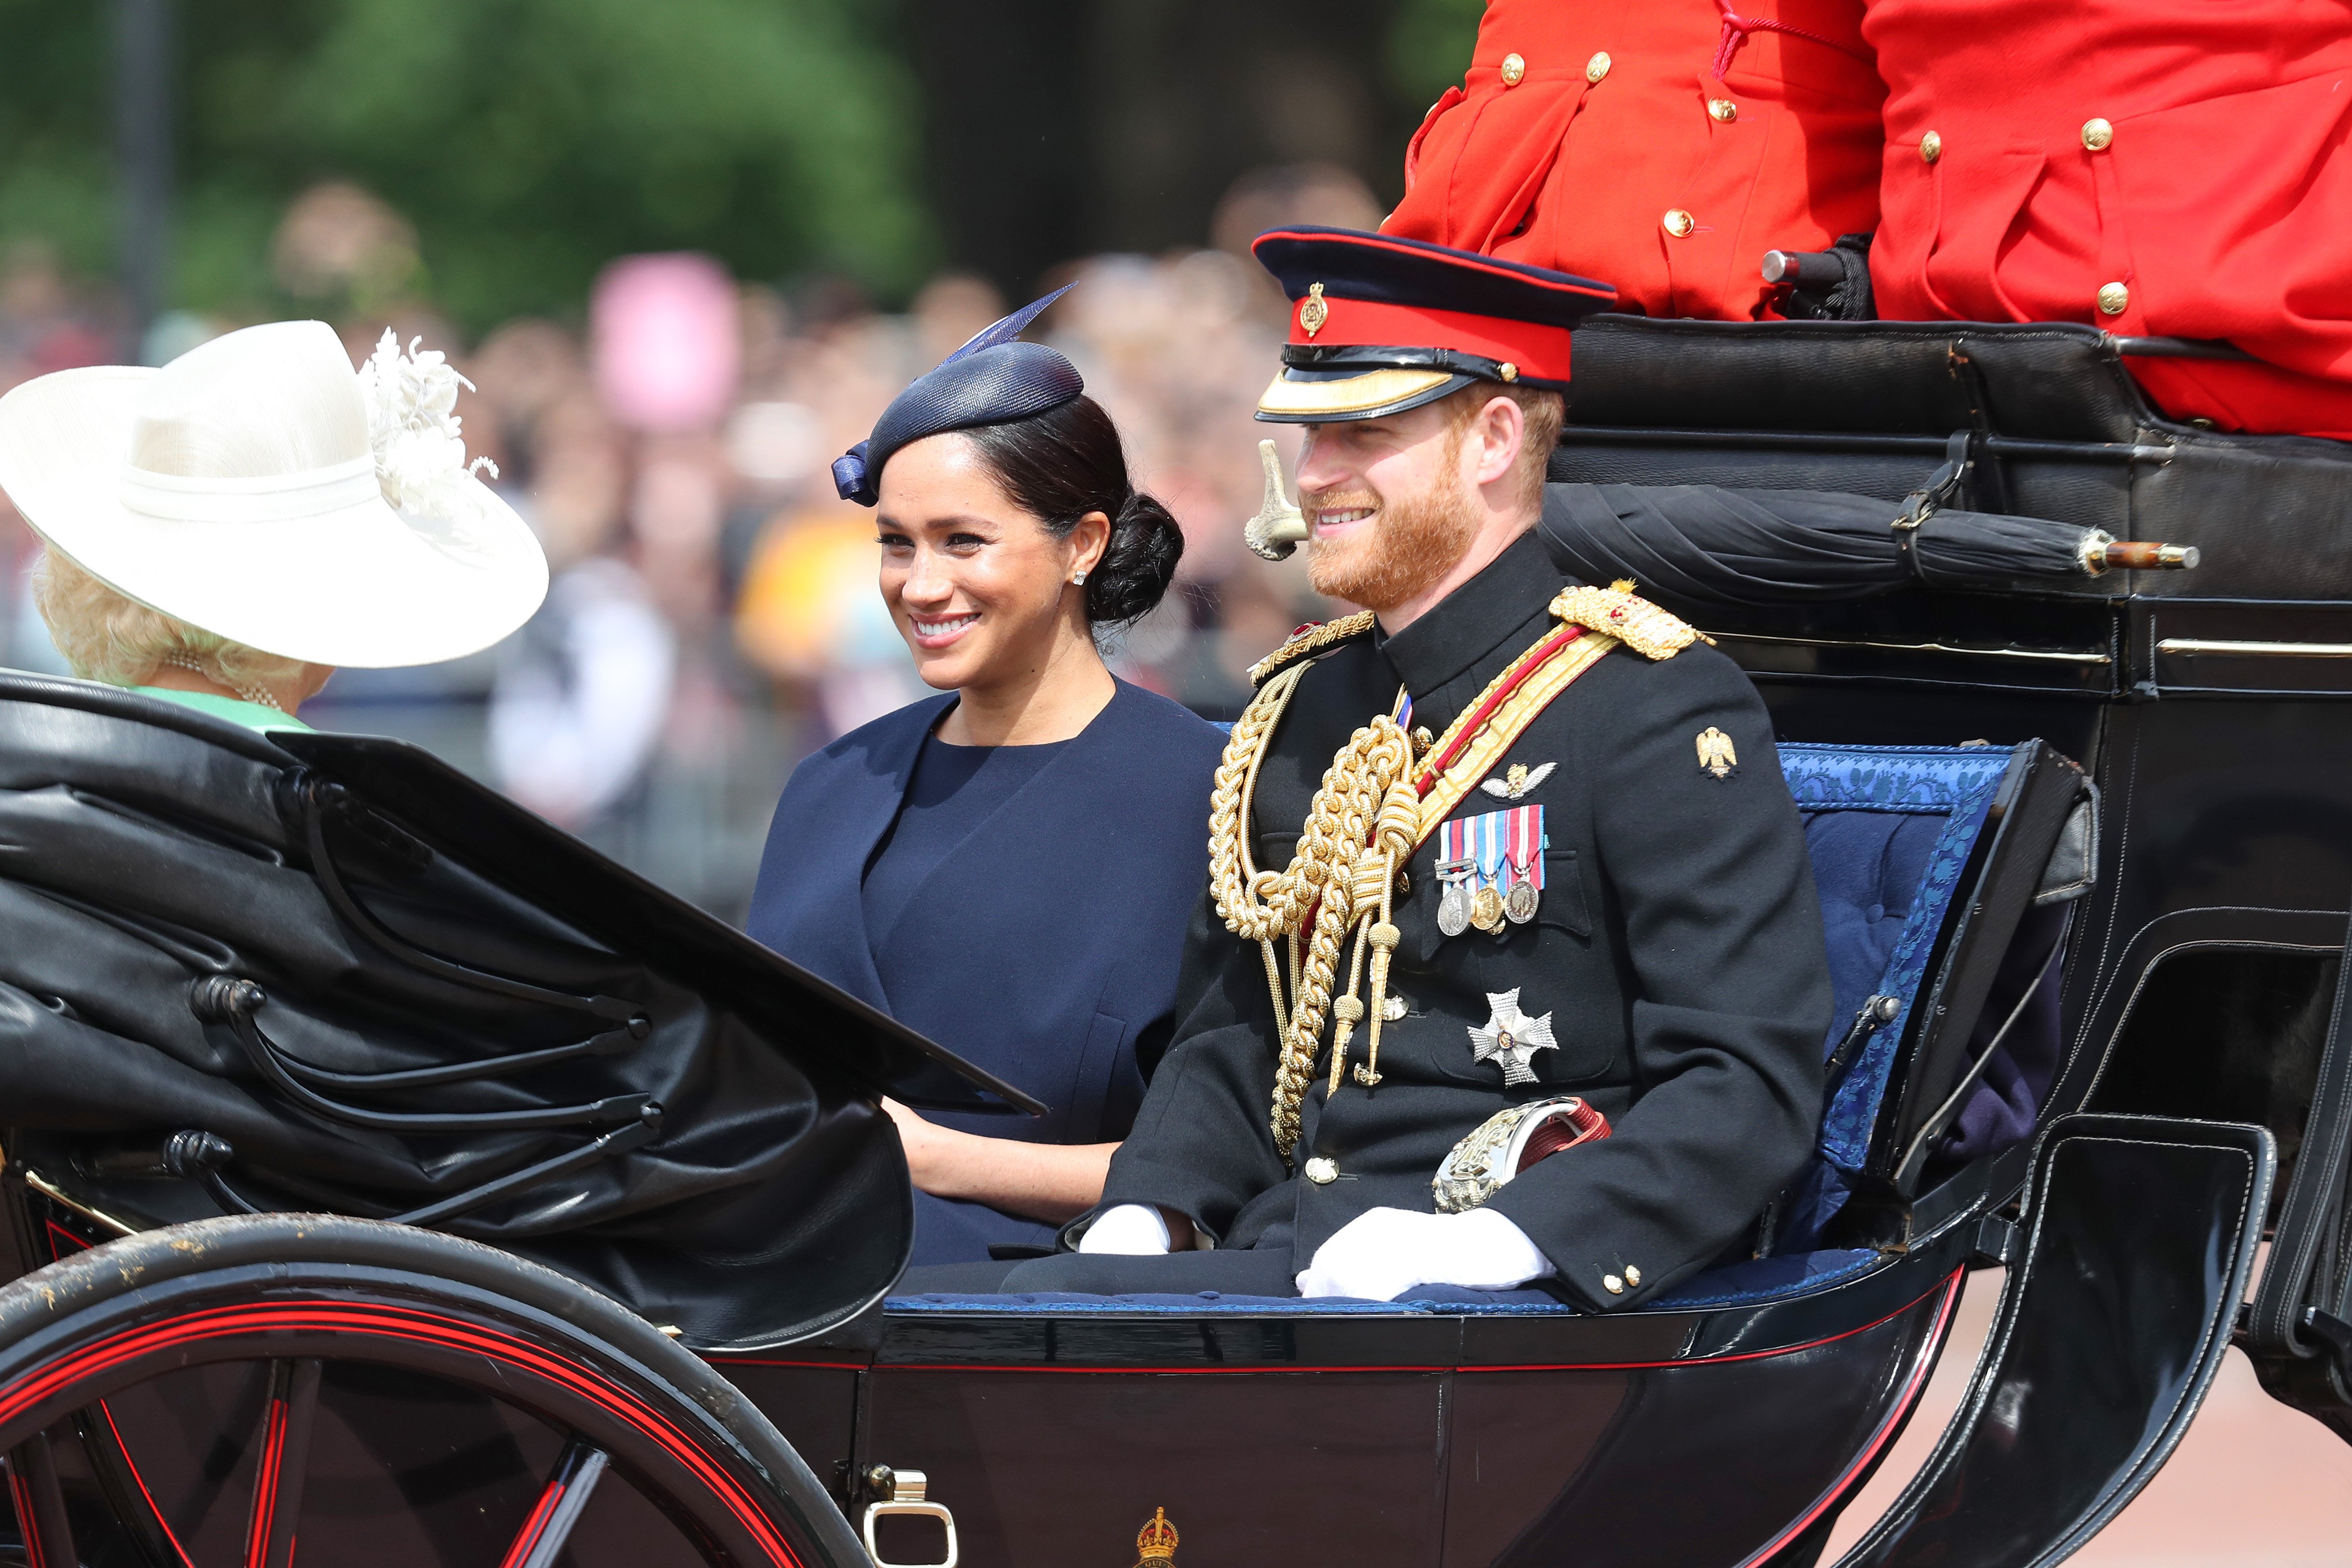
x=242, y=1389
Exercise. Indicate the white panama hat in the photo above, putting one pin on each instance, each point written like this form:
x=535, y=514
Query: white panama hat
x=259, y=489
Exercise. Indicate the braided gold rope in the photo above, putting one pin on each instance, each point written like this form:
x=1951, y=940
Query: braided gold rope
x=1264, y=906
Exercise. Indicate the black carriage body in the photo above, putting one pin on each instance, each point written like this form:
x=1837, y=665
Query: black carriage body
x=2207, y=708
x=1726, y=1428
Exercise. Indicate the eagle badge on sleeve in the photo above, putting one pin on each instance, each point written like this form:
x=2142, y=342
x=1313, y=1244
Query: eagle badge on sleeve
x=1715, y=754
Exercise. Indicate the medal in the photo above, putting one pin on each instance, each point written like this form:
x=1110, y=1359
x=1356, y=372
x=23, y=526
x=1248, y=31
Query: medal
x=1523, y=853
x=1487, y=911
x=1453, y=908
x=1511, y=1037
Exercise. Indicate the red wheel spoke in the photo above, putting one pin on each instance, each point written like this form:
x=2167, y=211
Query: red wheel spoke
x=40, y=1505
x=577, y=1471
x=285, y=1462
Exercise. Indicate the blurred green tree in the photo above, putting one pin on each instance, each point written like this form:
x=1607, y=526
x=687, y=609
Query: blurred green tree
x=527, y=141
x=1429, y=44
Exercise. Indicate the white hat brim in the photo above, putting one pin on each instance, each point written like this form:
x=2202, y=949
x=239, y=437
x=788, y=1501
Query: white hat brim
x=366, y=585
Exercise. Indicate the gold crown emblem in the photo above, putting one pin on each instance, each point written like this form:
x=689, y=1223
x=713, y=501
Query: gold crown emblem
x=1312, y=311
x=1156, y=1541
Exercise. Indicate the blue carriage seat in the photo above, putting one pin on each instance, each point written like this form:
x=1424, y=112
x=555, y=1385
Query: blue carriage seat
x=1892, y=831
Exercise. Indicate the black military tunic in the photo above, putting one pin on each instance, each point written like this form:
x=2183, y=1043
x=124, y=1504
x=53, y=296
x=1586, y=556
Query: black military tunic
x=1678, y=951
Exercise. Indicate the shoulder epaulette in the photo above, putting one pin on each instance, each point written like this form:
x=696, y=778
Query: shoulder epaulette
x=1312, y=638
x=1619, y=611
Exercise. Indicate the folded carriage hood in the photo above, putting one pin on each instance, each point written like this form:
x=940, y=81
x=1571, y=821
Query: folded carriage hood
x=397, y=917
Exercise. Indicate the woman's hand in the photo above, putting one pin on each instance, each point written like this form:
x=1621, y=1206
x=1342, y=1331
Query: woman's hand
x=1048, y=1182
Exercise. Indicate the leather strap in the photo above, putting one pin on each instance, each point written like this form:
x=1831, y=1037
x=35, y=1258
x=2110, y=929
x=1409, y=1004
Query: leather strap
x=1942, y=488
x=2307, y=1264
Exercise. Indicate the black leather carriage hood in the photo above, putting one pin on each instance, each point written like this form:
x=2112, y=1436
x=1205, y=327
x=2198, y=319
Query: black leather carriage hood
x=393, y=994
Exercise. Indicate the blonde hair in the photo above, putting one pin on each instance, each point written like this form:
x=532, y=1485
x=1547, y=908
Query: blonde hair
x=106, y=635
x=1543, y=413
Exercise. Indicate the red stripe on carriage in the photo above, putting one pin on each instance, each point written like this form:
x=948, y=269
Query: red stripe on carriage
x=321, y=1317
x=20, y=1495
x=264, y=1520
x=141, y=1482
x=1912, y=1389
x=535, y=1526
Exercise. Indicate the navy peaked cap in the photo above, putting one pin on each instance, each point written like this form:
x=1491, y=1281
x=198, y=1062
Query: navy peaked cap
x=991, y=380
x=1379, y=325
x=1381, y=268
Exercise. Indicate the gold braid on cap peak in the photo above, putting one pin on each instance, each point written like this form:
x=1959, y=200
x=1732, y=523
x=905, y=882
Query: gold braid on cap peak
x=1617, y=610
x=1310, y=639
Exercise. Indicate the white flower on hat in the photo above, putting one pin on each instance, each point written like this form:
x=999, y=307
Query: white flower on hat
x=420, y=455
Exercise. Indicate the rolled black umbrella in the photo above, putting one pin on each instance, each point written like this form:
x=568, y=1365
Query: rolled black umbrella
x=1703, y=544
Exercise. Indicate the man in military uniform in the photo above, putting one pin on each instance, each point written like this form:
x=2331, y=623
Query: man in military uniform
x=1503, y=865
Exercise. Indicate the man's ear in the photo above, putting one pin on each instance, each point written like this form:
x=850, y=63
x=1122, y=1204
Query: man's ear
x=1498, y=431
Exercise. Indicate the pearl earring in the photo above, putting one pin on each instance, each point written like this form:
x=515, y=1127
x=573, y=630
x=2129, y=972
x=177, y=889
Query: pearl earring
x=1079, y=580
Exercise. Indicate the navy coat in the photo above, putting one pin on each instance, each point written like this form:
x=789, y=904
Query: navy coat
x=1045, y=949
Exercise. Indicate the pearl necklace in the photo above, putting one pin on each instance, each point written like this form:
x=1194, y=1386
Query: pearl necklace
x=255, y=695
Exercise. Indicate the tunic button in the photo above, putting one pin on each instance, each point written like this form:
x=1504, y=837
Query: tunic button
x=1679, y=223
x=1321, y=1172
x=1931, y=147
x=1723, y=109
x=1612, y=1284
x=1632, y=1275
x=2098, y=134
x=1515, y=70
x=2114, y=298
x=1596, y=68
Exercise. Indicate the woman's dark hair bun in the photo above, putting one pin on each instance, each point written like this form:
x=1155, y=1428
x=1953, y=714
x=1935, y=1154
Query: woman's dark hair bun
x=1137, y=564
x=1063, y=464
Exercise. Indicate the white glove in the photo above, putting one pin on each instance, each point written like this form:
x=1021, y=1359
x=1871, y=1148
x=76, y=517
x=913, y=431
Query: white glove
x=1131, y=1230
x=1383, y=1252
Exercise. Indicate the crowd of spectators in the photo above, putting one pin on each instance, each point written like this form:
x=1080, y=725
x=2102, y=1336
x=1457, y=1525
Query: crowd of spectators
x=713, y=615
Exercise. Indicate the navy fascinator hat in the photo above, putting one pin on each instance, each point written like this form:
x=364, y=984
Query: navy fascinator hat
x=992, y=379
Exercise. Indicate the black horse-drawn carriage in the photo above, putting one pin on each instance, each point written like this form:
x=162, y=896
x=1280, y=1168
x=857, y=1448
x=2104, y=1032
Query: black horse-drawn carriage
x=393, y=1180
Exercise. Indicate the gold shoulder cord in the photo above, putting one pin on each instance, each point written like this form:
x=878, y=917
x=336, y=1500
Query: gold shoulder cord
x=1367, y=817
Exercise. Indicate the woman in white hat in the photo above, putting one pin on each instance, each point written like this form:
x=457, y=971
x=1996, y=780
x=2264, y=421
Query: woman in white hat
x=227, y=531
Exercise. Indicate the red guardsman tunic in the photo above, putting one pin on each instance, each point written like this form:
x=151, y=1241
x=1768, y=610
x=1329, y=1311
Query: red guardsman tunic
x=2173, y=168
x=1664, y=145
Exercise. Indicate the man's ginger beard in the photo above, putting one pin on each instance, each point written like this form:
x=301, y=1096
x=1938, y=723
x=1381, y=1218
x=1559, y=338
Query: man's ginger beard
x=1408, y=543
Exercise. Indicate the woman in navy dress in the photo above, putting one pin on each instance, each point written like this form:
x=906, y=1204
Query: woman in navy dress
x=1009, y=867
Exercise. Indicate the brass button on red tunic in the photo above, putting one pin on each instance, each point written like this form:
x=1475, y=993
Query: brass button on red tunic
x=1614, y=119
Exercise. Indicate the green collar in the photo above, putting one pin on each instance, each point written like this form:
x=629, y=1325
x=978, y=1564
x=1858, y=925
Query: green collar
x=253, y=716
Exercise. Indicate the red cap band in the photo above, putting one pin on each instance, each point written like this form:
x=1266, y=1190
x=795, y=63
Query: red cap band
x=1539, y=350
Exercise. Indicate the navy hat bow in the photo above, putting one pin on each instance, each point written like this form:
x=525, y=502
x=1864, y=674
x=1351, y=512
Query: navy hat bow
x=992, y=379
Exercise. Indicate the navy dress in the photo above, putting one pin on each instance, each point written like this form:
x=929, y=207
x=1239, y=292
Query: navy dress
x=1024, y=906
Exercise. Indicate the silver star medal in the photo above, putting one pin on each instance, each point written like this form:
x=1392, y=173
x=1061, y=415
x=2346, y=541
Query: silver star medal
x=1510, y=1037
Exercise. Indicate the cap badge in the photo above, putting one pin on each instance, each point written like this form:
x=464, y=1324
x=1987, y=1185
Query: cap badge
x=1312, y=311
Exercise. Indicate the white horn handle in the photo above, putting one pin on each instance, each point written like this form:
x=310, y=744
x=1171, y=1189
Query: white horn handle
x=1279, y=528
